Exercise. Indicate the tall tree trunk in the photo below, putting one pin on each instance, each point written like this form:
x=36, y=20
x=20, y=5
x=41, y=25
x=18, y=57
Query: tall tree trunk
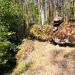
x=74, y=9
x=49, y=10
x=41, y=12
x=25, y=10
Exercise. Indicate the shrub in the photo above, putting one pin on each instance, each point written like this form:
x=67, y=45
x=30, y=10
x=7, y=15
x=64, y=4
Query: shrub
x=41, y=32
x=10, y=19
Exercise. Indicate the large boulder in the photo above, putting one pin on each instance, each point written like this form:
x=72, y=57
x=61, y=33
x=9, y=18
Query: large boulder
x=65, y=34
x=42, y=32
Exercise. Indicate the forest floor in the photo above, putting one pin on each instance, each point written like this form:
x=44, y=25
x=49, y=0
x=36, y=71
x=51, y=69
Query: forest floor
x=44, y=58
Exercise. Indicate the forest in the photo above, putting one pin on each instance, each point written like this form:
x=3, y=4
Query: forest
x=37, y=37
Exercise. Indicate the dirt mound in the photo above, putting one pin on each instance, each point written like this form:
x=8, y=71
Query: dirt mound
x=42, y=32
x=46, y=59
x=65, y=34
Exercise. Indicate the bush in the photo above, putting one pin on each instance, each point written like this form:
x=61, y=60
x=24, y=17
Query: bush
x=41, y=32
x=10, y=24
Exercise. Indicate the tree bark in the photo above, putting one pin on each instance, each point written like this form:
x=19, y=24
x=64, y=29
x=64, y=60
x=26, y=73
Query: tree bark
x=41, y=12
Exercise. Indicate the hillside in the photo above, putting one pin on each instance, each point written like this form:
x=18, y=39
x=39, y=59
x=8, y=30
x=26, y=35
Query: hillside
x=43, y=58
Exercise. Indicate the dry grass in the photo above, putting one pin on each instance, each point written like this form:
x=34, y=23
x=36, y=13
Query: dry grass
x=47, y=59
x=24, y=49
x=41, y=32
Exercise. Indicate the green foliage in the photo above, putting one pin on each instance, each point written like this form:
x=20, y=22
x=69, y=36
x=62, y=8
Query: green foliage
x=36, y=16
x=11, y=22
x=12, y=16
x=31, y=11
x=5, y=45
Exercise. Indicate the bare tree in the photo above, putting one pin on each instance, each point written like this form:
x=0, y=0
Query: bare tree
x=72, y=7
x=41, y=12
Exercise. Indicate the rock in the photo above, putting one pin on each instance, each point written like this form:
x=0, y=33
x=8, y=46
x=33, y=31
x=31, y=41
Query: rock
x=57, y=22
x=65, y=33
